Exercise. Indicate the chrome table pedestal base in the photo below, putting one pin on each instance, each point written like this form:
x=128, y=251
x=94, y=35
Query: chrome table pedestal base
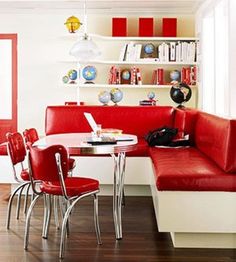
x=118, y=191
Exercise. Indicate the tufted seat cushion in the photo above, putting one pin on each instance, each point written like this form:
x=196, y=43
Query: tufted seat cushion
x=187, y=169
x=75, y=186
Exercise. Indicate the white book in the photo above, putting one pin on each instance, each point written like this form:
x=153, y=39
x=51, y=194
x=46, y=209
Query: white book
x=172, y=51
x=123, y=53
x=138, y=50
x=130, y=52
x=167, y=53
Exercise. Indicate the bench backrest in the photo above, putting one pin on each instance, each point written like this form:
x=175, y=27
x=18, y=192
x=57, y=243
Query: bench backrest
x=216, y=138
x=138, y=120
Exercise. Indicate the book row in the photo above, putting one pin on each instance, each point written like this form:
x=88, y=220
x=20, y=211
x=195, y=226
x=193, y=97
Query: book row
x=164, y=52
x=133, y=76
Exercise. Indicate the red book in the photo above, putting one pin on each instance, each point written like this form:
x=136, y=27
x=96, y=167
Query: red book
x=119, y=26
x=145, y=26
x=183, y=74
x=169, y=27
x=160, y=72
x=188, y=79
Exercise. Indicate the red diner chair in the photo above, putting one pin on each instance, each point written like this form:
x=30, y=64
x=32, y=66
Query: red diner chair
x=17, y=152
x=31, y=136
x=50, y=167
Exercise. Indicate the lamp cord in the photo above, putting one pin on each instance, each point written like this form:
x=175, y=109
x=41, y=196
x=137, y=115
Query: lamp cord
x=85, y=18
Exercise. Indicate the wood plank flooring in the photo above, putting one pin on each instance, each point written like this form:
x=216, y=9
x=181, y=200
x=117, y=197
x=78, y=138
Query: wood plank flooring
x=141, y=240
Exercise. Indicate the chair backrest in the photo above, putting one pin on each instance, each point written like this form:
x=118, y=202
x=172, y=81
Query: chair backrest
x=16, y=147
x=43, y=162
x=31, y=135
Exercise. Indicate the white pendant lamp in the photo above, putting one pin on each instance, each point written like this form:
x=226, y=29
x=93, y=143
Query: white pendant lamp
x=85, y=49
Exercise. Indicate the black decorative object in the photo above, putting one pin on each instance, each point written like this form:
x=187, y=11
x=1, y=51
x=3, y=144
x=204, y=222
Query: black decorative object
x=180, y=93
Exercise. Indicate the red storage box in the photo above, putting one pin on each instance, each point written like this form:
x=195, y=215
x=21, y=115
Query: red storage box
x=169, y=27
x=119, y=26
x=145, y=26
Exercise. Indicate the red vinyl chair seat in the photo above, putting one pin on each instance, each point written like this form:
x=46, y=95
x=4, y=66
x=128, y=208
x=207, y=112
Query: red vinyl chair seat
x=25, y=175
x=75, y=186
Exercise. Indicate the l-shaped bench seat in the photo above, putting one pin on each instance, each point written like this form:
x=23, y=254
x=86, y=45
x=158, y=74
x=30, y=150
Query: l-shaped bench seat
x=193, y=188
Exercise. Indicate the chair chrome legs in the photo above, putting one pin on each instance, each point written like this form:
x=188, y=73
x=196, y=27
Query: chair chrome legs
x=47, y=215
x=55, y=209
x=27, y=224
x=20, y=189
x=96, y=222
x=66, y=217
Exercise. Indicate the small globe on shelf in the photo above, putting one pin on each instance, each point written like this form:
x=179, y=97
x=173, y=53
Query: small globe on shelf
x=89, y=73
x=175, y=76
x=151, y=95
x=72, y=74
x=116, y=95
x=65, y=79
x=180, y=93
x=149, y=49
x=104, y=97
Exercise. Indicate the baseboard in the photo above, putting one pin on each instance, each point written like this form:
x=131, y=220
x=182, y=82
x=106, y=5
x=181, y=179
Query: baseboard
x=203, y=240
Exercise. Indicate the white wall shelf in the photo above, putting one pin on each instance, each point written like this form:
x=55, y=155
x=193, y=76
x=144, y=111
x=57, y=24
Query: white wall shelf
x=115, y=62
x=131, y=38
x=120, y=86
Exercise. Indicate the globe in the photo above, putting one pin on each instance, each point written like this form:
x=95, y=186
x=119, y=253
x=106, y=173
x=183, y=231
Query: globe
x=180, y=93
x=175, y=75
x=72, y=74
x=72, y=24
x=125, y=74
x=149, y=49
x=151, y=95
x=104, y=97
x=89, y=73
x=116, y=95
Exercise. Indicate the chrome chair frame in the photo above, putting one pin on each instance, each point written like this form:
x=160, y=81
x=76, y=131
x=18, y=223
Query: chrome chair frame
x=70, y=202
x=19, y=190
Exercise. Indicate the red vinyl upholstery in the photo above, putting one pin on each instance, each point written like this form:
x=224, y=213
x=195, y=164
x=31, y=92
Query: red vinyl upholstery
x=187, y=169
x=17, y=151
x=132, y=120
x=44, y=168
x=3, y=149
x=216, y=138
x=210, y=164
x=31, y=135
x=16, y=147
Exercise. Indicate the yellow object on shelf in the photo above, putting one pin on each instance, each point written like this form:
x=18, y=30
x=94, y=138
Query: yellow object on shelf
x=73, y=24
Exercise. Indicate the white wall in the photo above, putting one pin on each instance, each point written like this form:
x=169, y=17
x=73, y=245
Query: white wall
x=41, y=47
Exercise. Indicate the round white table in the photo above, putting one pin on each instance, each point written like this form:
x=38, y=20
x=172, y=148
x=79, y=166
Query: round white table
x=77, y=145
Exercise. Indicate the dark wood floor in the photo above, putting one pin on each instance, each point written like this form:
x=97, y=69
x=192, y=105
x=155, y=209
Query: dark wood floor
x=141, y=240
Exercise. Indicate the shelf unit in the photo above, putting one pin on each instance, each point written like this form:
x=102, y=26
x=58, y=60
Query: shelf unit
x=111, y=57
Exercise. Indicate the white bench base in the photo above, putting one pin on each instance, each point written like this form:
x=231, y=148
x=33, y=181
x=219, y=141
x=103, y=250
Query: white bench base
x=203, y=240
x=196, y=219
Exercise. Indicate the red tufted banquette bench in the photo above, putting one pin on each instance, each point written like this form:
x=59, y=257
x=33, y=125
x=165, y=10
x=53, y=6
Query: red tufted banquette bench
x=193, y=188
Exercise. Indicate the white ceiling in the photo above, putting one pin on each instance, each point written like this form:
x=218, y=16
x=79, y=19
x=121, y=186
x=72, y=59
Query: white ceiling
x=159, y=6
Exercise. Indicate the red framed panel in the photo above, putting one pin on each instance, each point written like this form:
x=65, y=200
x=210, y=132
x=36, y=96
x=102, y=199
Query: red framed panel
x=10, y=125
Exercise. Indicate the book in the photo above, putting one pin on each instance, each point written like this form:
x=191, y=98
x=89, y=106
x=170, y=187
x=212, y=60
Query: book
x=147, y=102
